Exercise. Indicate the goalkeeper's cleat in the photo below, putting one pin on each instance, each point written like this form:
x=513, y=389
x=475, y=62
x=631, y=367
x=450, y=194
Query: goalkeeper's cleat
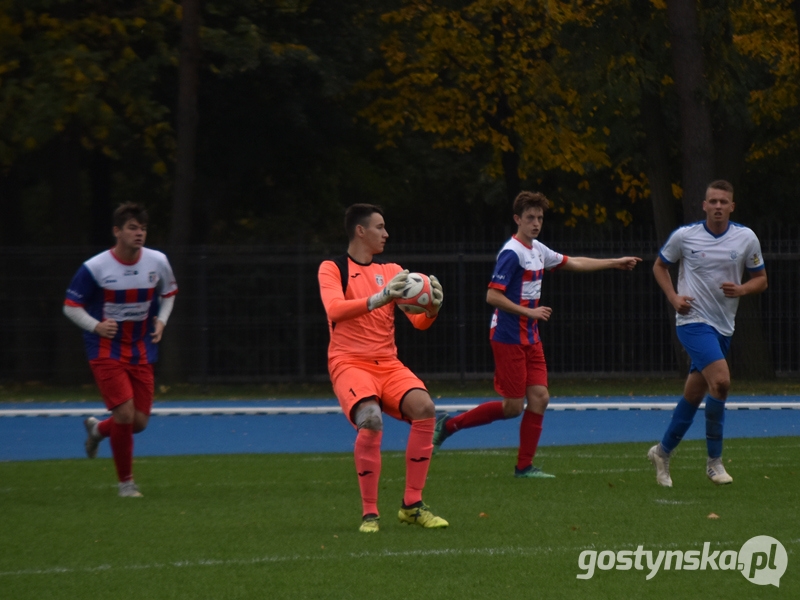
x=92, y=441
x=532, y=472
x=716, y=472
x=660, y=460
x=440, y=433
x=369, y=524
x=420, y=514
x=128, y=489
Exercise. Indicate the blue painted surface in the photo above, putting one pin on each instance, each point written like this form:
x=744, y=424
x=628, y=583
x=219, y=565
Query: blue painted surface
x=36, y=438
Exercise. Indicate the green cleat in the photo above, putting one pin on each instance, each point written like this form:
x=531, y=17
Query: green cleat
x=532, y=473
x=420, y=514
x=369, y=524
x=440, y=433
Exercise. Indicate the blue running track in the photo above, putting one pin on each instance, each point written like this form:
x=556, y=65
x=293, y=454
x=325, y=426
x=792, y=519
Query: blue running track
x=60, y=437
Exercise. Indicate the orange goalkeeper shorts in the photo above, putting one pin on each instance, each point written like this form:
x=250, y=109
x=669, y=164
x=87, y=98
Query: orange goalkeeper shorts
x=387, y=380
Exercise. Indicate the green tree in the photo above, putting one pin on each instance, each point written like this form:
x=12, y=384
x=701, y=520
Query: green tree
x=77, y=89
x=481, y=75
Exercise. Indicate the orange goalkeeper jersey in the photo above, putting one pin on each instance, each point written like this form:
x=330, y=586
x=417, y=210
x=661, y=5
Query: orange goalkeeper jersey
x=355, y=332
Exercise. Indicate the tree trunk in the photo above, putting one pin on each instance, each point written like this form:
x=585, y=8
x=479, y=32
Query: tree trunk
x=187, y=117
x=796, y=7
x=173, y=362
x=67, y=202
x=665, y=214
x=100, y=224
x=697, y=143
x=665, y=211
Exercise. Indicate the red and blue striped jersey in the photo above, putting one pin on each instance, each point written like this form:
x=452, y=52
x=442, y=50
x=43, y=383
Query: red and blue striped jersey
x=518, y=274
x=108, y=288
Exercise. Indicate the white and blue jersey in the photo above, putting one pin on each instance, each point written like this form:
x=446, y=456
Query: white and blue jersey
x=706, y=262
x=518, y=274
x=128, y=293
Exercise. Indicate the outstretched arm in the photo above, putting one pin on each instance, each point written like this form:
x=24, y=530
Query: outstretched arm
x=585, y=264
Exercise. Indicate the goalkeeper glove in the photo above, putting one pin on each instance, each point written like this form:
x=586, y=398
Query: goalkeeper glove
x=393, y=289
x=437, y=296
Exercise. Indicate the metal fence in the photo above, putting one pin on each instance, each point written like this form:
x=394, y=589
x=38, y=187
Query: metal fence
x=253, y=314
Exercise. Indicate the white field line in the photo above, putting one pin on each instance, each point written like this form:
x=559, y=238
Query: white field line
x=319, y=410
x=258, y=560
x=507, y=551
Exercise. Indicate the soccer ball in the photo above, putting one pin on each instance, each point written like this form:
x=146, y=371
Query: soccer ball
x=417, y=295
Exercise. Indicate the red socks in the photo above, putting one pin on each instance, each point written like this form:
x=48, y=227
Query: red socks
x=122, y=449
x=529, y=432
x=368, y=467
x=104, y=427
x=482, y=414
x=418, y=458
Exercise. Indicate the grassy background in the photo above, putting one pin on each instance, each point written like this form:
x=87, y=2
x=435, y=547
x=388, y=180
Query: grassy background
x=559, y=386
x=285, y=526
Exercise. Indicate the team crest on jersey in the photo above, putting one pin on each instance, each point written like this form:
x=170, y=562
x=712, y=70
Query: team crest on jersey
x=379, y=280
x=734, y=254
x=151, y=277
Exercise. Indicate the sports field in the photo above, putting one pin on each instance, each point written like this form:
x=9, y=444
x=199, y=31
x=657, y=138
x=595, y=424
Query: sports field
x=285, y=526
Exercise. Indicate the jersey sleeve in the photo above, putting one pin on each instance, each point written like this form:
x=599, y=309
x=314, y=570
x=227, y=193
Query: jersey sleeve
x=552, y=259
x=671, y=252
x=81, y=289
x=420, y=320
x=754, y=260
x=169, y=287
x=336, y=306
x=507, y=263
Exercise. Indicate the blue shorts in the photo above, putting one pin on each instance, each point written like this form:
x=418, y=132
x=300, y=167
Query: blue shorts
x=704, y=344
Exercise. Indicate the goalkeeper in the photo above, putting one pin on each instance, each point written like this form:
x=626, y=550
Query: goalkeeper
x=358, y=293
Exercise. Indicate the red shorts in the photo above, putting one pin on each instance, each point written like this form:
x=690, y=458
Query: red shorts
x=517, y=367
x=388, y=380
x=119, y=382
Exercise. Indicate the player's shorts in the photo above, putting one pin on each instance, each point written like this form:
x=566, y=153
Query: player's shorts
x=703, y=343
x=119, y=382
x=517, y=367
x=388, y=380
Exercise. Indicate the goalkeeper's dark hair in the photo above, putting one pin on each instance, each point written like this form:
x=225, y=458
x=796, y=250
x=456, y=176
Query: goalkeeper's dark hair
x=127, y=211
x=359, y=214
x=526, y=200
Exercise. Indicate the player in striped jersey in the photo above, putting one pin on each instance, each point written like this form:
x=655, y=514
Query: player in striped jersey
x=520, y=368
x=368, y=379
x=713, y=255
x=122, y=299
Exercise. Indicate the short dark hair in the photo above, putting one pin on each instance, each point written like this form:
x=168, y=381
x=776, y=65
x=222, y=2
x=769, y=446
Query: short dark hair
x=526, y=200
x=720, y=184
x=127, y=211
x=358, y=214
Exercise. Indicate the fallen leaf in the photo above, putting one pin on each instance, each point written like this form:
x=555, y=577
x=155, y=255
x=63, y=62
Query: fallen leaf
x=713, y=516
x=766, y=476
x=483, y=515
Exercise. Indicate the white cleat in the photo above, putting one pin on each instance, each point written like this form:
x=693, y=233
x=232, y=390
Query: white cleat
x=717, y=473
x=660, y=461
x=128, y=489
x=92, y=442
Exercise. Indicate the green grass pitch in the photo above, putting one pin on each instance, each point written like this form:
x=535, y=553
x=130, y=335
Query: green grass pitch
x=286, y=526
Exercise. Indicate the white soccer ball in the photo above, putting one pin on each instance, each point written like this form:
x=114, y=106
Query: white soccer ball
x=416, y=296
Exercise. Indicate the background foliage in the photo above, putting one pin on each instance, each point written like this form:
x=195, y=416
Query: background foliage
x=439, y=110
